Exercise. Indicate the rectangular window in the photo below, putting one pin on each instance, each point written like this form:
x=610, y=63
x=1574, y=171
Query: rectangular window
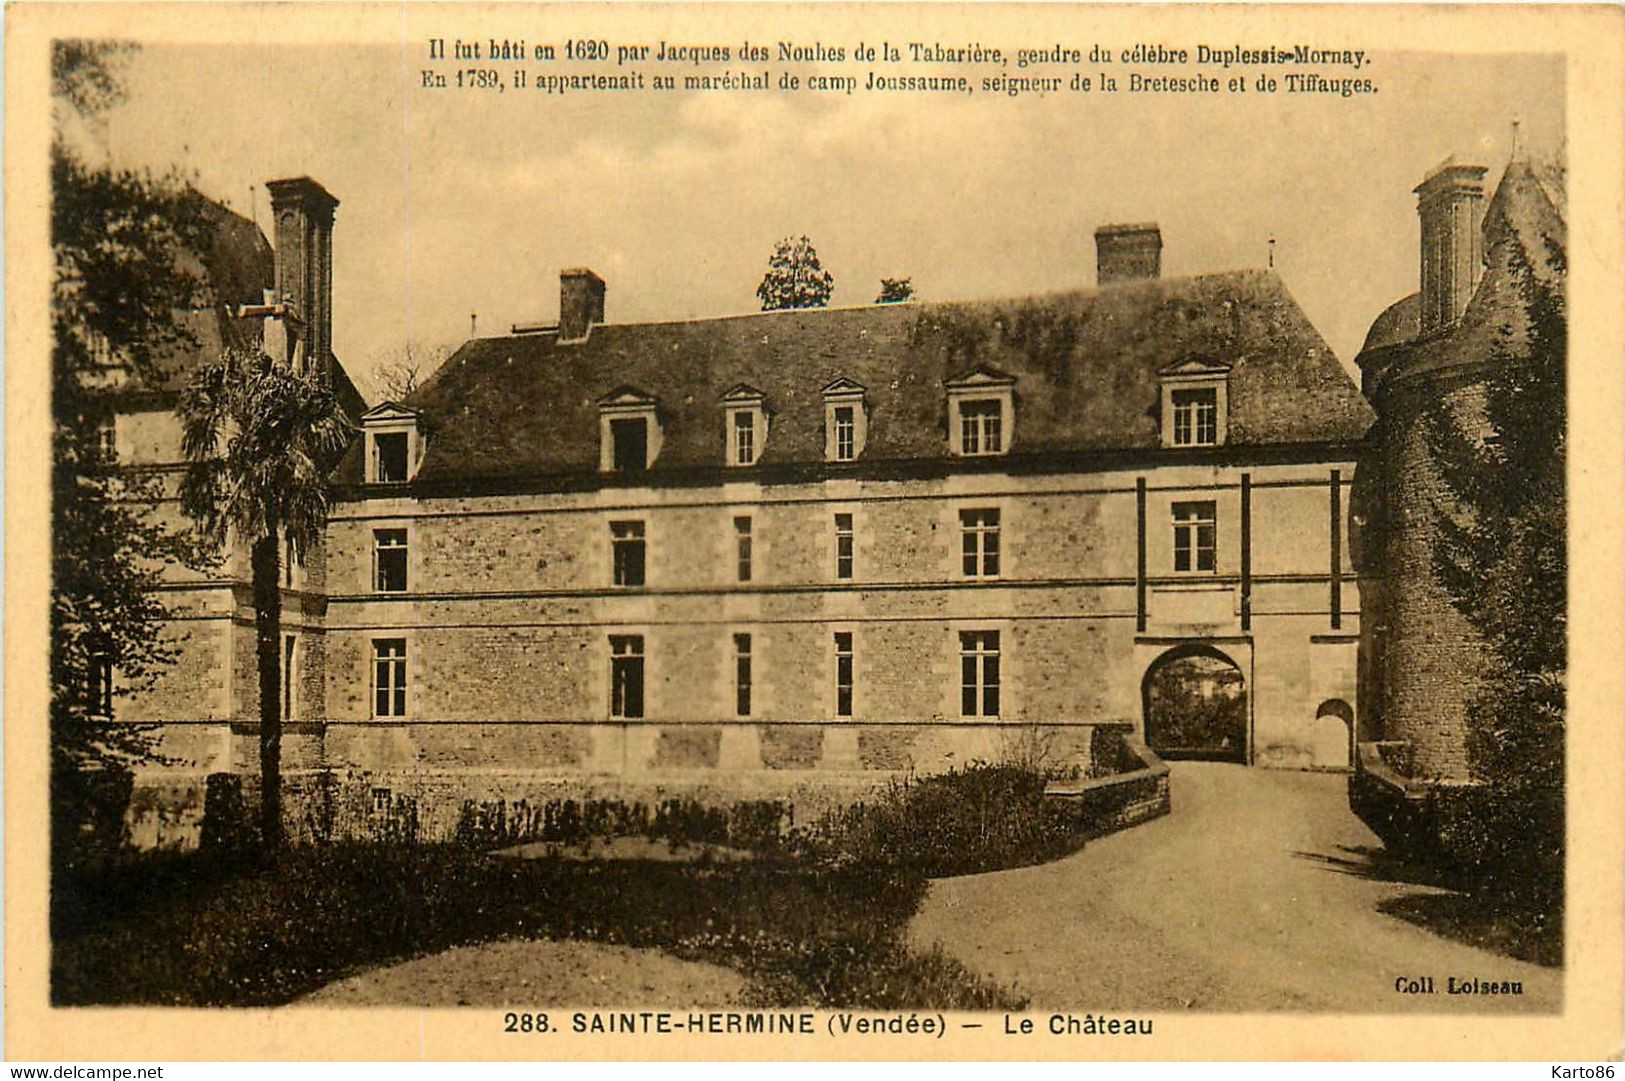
x=626, y=675
x=742, y=674
x=981, y=429
x=389, y=457
x=288, y=682
x=979, y=540
x=843, y=546
x=979, y=673
x=744, y=438
x=626, y=539
x=843, y=673
x=1195, y=536
x=1196, y=417
x=743, y=546
x=846, y=433
x=99, y=684
x=106, y=441
x=389, y=677
x=389, y=560
x=631, y=439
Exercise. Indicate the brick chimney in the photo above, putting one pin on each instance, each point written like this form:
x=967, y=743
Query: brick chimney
x=303, y=212
x=581, y=303
x=1450, y=203
x=1127, y=252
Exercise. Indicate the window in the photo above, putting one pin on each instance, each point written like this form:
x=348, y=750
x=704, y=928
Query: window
x=1194, y=536
x=979, y=673
x=1196, y=417
x=1194, y=397
x=99, y=683
x=980, y=427
x=843, y=673
x=981, y=412
x=106, y=441
x=287, y=564
x=843, y=546
x=626, y=675
x=846, y=433
x=979, y=540
x=389, y=560
x=742, y=546
x=289, y=683
x=744, y=415
x=394, y=443
x=626, y=540
x=631, y=438
x=389, y=455
x=846, y=421
x=744, y=438
x=742, y=674
x=389, y=677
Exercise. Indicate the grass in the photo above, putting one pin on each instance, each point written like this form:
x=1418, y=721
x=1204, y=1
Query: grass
x=195, y=935
x=819, y=919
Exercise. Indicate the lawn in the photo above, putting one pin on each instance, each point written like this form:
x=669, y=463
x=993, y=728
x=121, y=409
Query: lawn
x=818, y=919
x=195, y=934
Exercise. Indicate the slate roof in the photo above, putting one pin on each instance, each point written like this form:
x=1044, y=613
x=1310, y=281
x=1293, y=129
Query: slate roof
x=237, y=267
x=1085, y=363
x=1529, y=207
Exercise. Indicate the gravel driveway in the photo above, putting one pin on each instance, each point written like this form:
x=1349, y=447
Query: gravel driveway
x=1254, y=894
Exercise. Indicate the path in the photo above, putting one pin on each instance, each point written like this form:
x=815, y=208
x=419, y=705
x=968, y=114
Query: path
x=526, y=973
x=1247, y=897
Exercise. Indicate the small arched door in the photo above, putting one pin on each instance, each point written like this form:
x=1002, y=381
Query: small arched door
x=1332, y=737
x=1195, y=701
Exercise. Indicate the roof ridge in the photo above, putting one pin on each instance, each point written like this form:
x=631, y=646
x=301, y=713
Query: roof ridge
x=1116, y=288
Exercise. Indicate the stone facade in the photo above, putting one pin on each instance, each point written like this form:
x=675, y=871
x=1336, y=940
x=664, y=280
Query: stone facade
x=1428, y=356
x=482, y=589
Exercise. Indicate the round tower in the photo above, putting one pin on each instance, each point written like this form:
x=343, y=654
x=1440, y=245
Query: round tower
x=1423, y=356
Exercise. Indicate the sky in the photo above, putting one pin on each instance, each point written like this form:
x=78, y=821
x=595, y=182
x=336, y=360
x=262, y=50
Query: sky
x=454, y=205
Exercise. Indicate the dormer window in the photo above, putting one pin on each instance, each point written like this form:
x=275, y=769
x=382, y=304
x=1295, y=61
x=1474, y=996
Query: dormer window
x=981, y=413
x=846, y=421
x=395, y=443
x=745, y=424
x=1194, y=402
x=628, y=431
x=1196, y=417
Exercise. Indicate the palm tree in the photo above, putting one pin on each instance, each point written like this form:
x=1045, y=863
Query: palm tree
x=261, y=439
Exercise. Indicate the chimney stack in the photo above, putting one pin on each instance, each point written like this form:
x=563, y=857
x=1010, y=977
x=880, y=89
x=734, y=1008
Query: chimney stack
x=303, y=212
x=1128, y=253
x=1450, y=203
x=581, y=303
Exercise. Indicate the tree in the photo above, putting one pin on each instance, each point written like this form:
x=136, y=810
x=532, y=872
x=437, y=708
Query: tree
x=1503, y=560
x=260, y=440
x=795, y=278
x=400, y=372
x=117, y=241
x=895, y=290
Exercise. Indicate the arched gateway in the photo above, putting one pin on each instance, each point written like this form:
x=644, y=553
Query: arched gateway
x=1195, y=703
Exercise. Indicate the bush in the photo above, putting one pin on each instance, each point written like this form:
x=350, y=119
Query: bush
x=980, y=818
x=265, y=935
x=755, y=824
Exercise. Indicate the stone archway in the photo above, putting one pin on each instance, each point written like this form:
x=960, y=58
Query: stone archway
x=1195, y=705
x=1331, y=737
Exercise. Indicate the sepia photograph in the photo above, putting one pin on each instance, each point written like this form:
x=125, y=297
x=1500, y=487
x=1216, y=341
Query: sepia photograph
x=669, y=521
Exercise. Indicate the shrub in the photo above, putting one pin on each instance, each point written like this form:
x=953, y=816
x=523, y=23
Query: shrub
x=979, y=818
x=182, y=931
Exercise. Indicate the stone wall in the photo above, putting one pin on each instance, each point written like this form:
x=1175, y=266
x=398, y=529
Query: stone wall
x=1430, y=662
